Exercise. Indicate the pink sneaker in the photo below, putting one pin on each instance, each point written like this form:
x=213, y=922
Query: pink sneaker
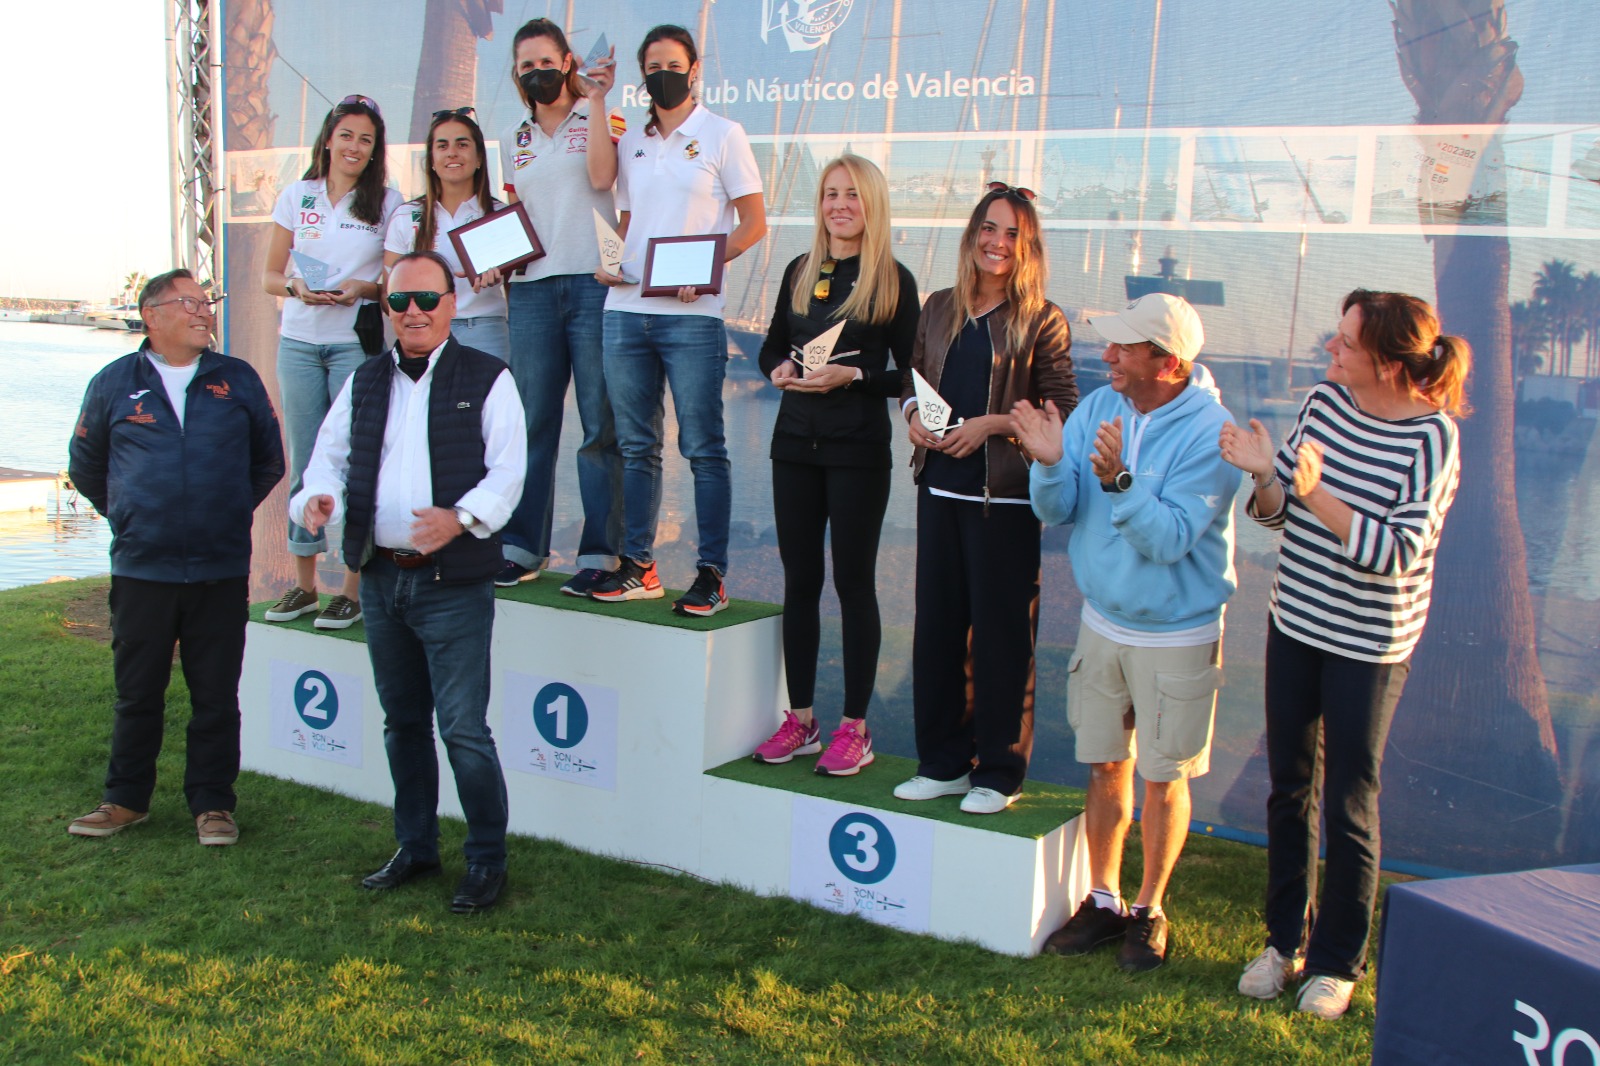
x=848, y=751
x=792, y=738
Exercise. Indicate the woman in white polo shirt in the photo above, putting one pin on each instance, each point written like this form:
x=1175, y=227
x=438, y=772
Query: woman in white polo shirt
x=458, y=193
x=561, y=162
x=688, y=172
x=335, y=218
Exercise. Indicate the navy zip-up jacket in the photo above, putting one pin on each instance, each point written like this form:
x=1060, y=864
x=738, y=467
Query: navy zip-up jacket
x=179, y=498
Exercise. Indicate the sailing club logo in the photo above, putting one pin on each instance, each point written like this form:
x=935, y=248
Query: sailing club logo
x=308, y=202
x=806, y=24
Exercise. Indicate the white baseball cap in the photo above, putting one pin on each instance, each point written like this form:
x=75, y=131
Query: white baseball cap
x=1164, y=320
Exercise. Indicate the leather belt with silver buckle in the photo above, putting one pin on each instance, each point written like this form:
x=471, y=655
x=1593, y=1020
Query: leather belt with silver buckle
x=405, y=559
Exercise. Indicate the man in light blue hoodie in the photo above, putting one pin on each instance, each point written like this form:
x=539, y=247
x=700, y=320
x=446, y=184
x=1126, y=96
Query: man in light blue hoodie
x=1138, y=472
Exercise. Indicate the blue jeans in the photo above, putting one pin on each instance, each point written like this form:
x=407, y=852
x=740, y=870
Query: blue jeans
x=690, y=353
x=555, y=336
x=429, y=645
x=309, y=378
x=487, y=333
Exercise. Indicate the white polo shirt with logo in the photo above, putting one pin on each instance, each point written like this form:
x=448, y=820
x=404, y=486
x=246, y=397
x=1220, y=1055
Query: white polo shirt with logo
x=353, y=248
x=551, y=176
x=402, y=238
x=676, y=186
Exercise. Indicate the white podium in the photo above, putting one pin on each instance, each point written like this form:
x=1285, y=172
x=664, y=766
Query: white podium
x=608, y=719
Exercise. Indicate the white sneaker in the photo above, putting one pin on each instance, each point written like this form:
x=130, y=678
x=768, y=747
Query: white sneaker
x=1267, y=973
x=1326, y=997
x=986, y=801
x=927, y=788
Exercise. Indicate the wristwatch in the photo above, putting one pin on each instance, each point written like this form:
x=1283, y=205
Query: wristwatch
x=465, y=518
x=1121, y=483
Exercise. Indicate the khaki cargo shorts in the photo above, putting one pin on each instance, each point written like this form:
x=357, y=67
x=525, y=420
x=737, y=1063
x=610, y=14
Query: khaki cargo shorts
x=1158, y=704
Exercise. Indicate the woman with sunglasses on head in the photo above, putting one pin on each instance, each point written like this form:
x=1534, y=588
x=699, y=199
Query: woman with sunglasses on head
x=458, y=193
x=561, y=162
x=830, y=448
x=1361, y=488
x=983, y=345
x=688, y=172
x=336, y=217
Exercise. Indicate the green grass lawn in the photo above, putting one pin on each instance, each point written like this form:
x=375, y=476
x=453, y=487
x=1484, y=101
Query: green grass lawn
x=147, y=948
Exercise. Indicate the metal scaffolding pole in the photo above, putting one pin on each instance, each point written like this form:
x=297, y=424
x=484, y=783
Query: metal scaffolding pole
x=194, y=81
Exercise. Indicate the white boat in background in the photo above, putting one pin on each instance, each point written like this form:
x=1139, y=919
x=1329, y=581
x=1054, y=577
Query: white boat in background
x=28, y=490
x=123, y=317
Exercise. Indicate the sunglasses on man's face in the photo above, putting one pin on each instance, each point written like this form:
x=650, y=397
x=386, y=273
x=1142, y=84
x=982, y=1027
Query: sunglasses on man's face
x=356, y=99
x=459, y=112
x=426, y=301
x=1025, y=195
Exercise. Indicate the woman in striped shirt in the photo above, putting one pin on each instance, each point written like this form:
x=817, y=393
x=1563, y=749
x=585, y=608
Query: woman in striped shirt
x=1360, y=489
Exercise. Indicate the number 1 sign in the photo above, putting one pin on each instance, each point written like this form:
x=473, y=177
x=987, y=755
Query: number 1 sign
x=559, y=730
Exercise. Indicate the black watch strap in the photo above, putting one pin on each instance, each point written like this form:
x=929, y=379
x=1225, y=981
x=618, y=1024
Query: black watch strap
x=1121, y=483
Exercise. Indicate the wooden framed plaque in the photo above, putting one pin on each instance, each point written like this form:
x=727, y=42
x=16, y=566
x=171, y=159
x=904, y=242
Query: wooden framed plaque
x=502, y=238
x=671, y=263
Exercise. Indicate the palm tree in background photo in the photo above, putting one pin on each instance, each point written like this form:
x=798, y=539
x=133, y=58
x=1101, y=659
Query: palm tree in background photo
x=1531, y=336
x=447, y=69
x=252, y=314
x=1588, y=314
x=132, y=285
x=1556, y=287
x=1473, y=771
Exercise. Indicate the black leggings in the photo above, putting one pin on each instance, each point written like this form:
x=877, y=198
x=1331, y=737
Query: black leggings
x=806, y=499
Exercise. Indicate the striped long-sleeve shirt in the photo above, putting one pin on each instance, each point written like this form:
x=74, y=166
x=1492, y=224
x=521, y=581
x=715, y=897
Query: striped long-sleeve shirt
x=1367, y=599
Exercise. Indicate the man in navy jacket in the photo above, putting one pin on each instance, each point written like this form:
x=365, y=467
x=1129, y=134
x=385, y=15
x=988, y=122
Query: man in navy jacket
x=176, y=445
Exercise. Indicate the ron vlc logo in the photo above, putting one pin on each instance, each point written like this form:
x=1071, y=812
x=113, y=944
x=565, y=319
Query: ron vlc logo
x=806, y=24
x=1540, y=1039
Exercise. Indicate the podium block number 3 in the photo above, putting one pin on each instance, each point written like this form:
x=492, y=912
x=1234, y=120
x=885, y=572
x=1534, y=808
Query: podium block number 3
x=316, y=700
x=862, y=848
x=560, y=715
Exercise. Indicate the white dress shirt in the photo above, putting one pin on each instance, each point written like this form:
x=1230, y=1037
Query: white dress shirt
x=405, y=478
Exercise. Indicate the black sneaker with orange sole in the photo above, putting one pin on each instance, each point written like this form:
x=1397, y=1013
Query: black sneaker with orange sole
x=704, y=598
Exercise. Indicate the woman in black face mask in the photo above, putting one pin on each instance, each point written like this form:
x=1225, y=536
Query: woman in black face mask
x=688, y=172
x=561, y=162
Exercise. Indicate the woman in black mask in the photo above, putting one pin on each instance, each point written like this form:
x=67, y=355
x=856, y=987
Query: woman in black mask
x=561, y=162
x=688, y=172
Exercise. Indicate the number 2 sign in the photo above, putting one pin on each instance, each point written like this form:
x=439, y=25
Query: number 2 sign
x=316, y=712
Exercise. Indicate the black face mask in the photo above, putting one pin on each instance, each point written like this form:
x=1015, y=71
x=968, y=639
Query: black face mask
x=668, y=88
x=543, y=85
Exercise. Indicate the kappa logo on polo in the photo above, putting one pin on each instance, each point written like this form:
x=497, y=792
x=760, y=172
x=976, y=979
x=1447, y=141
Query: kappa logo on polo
x=220, y=391
x=139, y=415
x=638, y=153
x=806, y=24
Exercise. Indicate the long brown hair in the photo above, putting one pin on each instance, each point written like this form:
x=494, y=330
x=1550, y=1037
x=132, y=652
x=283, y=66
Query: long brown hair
x=368, y=206
x=877, y=290
x=667, y=32
x=542, y=27
x=426, y=229
x=1029, y=269
x=1402, y=331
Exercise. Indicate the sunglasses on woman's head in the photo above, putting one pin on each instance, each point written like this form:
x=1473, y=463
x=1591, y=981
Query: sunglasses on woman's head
x=426, y=301
x=1025, y=195
x=356, y=99
x=459, y=112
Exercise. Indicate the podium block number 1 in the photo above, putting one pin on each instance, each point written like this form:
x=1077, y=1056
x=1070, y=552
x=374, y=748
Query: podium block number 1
x=560, y=715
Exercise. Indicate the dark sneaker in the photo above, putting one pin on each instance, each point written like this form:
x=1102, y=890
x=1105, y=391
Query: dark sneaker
x=104, y=820
x=294, y=603
x=585, y=581
x=1144, y=946
x=512, y=574
x=341, y=613
x=1086, y=930
x=216, y=829
x=704, y=598
x=630, y=581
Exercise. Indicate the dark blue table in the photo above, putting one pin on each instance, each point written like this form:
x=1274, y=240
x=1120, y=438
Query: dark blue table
x=1499, y=969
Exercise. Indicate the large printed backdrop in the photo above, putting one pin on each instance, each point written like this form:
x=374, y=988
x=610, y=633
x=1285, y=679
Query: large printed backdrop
x=1268, y=157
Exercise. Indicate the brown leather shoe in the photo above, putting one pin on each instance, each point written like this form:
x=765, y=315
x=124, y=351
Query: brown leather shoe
x=217, y=829
x=106, y=819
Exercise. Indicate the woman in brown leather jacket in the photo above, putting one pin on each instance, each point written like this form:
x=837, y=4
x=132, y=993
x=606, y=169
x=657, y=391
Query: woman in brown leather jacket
x=988, y=342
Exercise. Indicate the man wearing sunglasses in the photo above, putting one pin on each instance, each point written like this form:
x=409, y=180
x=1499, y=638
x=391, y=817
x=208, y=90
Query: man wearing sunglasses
x=175, y=446
x=422, y=456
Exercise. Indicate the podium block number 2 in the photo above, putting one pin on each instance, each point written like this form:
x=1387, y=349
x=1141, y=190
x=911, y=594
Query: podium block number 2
x=316, y=700
x=560, y=715
x=862, y=848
